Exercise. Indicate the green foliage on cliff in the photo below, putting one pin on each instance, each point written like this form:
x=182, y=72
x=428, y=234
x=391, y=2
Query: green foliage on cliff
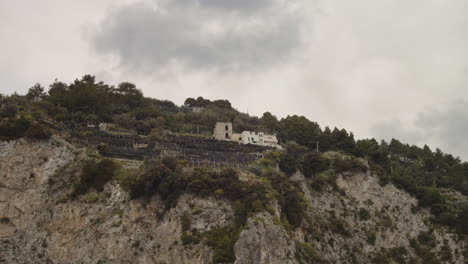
x=95, y=174
x=306, y=254
x=164, y=177
x=38, y=131
x=14, y=127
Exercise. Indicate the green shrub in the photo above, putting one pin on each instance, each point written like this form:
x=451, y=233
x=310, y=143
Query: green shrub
x=399, y=255
x=462, y=220
x=371, y=238
x=424, y=251
x=305, y=253
x=290, y=197
x=364, y=214
x=349, y=164
x=189, y=236
x=429, y=197
x=326, y=178
x=289, y=164
x=339, y=227
x=222, y=240
x=314, y=163
x=14, y=128
x=426, y=239
x=94, y=174
x=38, y=131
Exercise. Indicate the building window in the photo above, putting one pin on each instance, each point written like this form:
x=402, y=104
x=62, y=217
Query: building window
x=227, y=135
x=227, y=127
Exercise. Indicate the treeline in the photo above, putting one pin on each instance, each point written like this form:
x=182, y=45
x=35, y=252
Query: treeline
x=86, y=100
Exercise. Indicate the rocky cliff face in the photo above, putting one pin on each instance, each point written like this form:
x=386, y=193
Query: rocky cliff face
x=363, y=221
x=355, y=223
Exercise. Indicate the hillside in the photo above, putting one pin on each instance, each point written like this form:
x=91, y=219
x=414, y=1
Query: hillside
x=153, y=187
x=266, y=218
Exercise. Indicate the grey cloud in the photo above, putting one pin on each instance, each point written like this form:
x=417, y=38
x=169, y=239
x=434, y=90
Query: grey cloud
x=244, y=5
x=448, y=126
x=199, y=37
x=396, y=129
x=445, y=128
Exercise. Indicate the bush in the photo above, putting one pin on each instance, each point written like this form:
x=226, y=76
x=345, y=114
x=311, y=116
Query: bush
x=462, y=220
x=349, y=164
x=305, y=253
x=429, y=196
x=289, y=164
x=290, y=197
x=326, y=178
x=157, y=176
x=426, y=239
x=14, y=128
x=188, y=236
x=222, y=240
x=95, y=175
x=38, y=131
x=364, y=214
x=371, y=238
x=313, y=164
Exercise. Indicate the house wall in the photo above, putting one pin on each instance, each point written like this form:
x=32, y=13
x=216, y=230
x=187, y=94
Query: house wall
x=259, y=138
x=223, y=131
x=237, y=137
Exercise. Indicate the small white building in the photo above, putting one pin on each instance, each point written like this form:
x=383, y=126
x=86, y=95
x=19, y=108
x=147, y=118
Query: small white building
x=223, y=131
x=259, y=138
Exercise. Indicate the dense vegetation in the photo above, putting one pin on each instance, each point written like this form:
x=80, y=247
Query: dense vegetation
x=94, y=174
x=166, y=178
x=427, y=174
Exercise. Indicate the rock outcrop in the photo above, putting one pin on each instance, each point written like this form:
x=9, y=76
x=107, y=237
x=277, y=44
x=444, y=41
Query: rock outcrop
x=40, y=224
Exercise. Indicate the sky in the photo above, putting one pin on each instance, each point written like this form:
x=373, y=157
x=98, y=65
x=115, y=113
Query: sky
x=382, y=69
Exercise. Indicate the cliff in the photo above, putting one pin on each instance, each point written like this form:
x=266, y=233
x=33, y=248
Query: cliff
x=356, y=221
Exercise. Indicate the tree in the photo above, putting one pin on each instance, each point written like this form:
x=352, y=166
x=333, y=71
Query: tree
x=300, y=130
x=38, y=131
x=82, y=95
x=126, y=120
x=269, y=122
x=35, y=93
x=131, y=95
x=291, y=161
x=339, y=139
x=190, y=102
x=57, y=93
x=9, y=110
x=222, y=104
x=159, y=127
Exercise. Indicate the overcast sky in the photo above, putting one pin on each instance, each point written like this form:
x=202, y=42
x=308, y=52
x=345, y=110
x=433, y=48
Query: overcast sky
x=383, y=69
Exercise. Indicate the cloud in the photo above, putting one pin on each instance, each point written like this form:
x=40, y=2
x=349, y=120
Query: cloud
x=200, y=35
x=396, y=129
x=237, y=5
x=442, y=127
x=448, y=126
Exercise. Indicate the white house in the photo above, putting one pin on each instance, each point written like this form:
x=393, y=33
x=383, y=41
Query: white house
x=259, y=138
x=223, y=131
